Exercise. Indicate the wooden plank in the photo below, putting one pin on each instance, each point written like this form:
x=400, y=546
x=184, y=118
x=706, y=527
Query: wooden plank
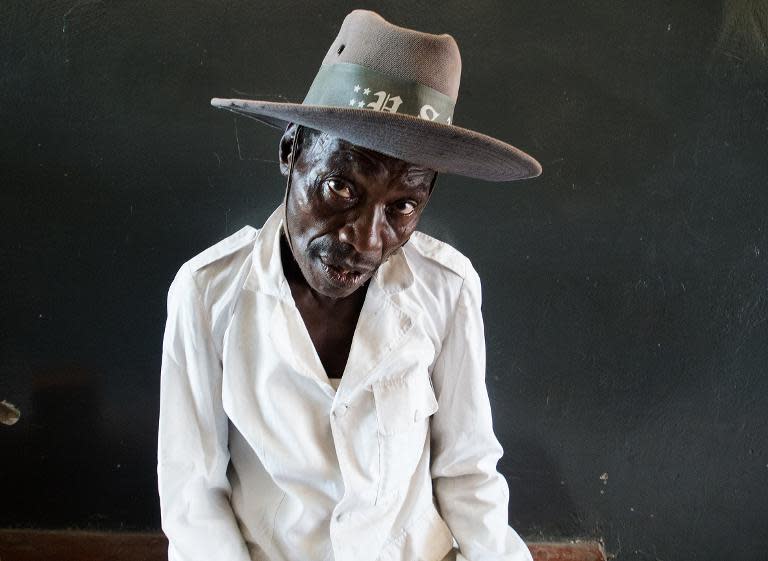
x=65, y=545
x=578, y=551
x=76, y=545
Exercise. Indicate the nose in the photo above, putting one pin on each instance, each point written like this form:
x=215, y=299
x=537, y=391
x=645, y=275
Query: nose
x=365, y=232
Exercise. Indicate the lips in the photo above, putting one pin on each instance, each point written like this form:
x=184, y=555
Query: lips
x=341, y=275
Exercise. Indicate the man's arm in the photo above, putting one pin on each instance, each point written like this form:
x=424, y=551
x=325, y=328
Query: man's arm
x=192, y=439
x=472, y=495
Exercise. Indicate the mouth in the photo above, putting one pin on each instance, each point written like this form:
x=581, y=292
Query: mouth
x=341, y=276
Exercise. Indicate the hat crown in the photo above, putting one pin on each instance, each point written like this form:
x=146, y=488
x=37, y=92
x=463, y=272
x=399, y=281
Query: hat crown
x=368, y=40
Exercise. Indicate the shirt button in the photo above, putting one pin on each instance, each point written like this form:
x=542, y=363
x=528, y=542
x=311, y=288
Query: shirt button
x=343, y=517
x=341, y=410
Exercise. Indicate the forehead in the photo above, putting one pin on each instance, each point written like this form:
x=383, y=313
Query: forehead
x=336, y=152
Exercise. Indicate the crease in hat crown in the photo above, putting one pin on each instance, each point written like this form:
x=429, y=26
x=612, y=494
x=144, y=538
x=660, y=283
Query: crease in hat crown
x=367, y=39
x=373, y=64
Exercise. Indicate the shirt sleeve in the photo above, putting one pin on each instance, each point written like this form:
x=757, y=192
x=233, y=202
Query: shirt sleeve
x=472, y=495
x=193, y=454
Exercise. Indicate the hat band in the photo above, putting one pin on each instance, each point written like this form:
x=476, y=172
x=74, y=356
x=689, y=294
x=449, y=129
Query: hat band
x=352, y=85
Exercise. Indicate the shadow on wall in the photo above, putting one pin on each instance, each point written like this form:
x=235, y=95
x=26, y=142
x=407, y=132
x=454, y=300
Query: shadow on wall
x=539, y=500
x=55, y=447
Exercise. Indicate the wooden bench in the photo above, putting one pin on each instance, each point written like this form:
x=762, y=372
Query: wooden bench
x=76, y=545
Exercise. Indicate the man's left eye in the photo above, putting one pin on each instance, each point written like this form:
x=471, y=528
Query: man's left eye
x=405, y=207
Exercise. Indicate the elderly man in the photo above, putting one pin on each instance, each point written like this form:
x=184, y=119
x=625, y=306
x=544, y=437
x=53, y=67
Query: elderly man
x=322, y=387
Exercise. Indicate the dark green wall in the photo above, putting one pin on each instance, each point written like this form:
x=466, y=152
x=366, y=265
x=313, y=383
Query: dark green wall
x=625, y=290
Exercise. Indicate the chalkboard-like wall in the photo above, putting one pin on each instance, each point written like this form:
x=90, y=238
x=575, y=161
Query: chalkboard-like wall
x=625, y=290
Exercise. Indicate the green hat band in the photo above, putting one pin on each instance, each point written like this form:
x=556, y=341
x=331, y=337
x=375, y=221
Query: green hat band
x=351, y=85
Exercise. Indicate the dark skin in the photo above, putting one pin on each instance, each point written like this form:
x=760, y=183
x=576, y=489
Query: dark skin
x=348, y=210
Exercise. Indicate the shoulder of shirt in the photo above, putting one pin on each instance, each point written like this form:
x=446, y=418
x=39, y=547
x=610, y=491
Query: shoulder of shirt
x=441, y=254
x=219, y=270
x=216, y=274
x=441, y=274
x=241, y=242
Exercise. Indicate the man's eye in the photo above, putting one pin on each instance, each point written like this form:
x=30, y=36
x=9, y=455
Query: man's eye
x=405, y=208
x=339, y=188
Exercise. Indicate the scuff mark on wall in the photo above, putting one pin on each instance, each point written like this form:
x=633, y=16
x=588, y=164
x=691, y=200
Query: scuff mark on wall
x=65, y=23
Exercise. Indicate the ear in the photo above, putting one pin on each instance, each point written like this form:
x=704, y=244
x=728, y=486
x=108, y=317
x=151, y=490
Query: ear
x=284, y=151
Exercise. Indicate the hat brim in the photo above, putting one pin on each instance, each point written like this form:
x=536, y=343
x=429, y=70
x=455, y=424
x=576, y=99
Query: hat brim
x=441, y=147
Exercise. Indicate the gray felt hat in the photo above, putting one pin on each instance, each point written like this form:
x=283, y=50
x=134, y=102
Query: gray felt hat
x=393, y=90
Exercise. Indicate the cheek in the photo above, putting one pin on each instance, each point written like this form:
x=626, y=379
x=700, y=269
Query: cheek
x=400, y=235
x=301, y=217
x=308, y=234
x=405, y=228
x=307, y=214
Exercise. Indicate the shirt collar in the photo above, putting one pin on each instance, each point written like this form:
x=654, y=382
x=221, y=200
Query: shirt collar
x=266, y=272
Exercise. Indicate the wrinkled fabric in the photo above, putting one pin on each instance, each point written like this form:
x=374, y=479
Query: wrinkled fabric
x=261, y=459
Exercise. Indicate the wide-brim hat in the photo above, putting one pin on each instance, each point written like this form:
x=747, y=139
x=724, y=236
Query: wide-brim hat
x=393, y=90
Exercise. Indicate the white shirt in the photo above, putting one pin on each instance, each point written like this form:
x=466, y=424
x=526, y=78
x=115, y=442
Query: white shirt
x=261, y=459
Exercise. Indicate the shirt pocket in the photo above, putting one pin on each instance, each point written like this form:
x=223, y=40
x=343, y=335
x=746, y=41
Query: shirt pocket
x=403, y=408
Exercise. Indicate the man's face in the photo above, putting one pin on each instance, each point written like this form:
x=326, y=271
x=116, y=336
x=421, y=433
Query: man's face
x=348, y=209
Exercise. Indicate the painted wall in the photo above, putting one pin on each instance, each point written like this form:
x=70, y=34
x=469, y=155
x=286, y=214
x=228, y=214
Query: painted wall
x=625, y=290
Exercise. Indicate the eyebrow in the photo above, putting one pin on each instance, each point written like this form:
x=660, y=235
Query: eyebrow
x=418, y=173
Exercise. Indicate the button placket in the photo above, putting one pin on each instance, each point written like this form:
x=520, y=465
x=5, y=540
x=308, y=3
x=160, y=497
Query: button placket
x=341, y=410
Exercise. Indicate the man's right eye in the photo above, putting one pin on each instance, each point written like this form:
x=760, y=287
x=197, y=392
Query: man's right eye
x=339, y=188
